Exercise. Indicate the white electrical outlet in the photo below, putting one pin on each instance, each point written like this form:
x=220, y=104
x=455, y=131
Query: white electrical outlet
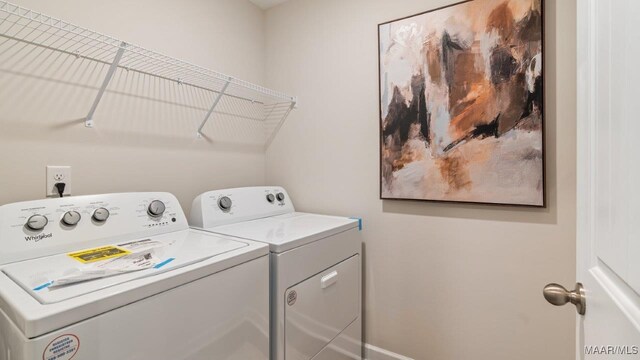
x=58, y=174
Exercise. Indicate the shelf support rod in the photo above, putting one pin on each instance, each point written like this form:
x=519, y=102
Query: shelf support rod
x=215, y=103
x=112, y=69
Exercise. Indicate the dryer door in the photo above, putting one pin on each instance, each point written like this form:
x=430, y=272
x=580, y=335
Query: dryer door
x=320, y=308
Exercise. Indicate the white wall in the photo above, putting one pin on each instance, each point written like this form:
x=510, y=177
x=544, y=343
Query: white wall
x=442, y=281
x=136, y=145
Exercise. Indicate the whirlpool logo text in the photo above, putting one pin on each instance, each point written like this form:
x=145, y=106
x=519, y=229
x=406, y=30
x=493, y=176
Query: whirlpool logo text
x=38, y=237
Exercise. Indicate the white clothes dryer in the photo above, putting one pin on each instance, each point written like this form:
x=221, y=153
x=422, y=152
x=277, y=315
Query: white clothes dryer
x=315, y=269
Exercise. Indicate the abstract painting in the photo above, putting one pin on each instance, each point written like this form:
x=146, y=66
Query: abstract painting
x=461, y=104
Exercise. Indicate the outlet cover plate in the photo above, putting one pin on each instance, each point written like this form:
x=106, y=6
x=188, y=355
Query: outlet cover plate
x=56, y=174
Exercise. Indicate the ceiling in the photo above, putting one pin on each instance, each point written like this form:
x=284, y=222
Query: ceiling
x=265, y=4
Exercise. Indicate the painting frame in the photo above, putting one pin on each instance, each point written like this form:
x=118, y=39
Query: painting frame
x=543, y=127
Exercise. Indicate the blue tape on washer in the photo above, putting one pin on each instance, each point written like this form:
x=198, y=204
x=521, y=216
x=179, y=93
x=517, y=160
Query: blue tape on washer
x=359, y=222
x=159, y=265
x=43, y=286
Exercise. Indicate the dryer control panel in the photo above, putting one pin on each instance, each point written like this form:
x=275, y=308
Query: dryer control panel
x=38, y=228
x=229, y=206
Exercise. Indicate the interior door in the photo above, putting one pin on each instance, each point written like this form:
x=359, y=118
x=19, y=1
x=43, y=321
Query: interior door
x=609, y=178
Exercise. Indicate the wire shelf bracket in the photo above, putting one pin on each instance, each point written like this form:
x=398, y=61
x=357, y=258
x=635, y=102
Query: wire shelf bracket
x=107, y=79
x=233, y=99
x=213, y=107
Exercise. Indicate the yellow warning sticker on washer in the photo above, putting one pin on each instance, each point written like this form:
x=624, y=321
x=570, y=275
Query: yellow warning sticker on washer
x=97, y=254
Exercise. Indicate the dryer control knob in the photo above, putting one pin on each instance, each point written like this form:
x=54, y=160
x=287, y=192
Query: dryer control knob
x=71, y=218
x=225, y=203
x=37, y=222
x=280, y=196
x=100, y=214
x=156, y=208
x=271, y=198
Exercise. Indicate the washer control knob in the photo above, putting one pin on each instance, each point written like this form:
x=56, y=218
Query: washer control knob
x=71, y=218
x=156, y=208
x=280, y=196
x=37, y=222
x=100, y=214
x=225, y=203
x=271, y=198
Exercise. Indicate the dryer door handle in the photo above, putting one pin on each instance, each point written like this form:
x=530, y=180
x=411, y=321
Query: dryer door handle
x=329, y=279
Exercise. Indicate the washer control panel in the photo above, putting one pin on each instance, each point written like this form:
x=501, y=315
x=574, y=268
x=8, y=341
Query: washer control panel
x=228, y=206
x=51, y=226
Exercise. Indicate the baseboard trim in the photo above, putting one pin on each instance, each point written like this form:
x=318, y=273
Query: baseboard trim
x=375, y=353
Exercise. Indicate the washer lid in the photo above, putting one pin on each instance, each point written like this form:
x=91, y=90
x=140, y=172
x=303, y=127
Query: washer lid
x=288, y=231
x=114, y=264
x=196, y=254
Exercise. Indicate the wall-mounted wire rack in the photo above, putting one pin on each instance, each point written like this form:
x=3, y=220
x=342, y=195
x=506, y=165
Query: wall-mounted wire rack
x=21, y=27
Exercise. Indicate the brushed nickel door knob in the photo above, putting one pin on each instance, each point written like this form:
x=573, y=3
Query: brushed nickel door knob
x=558, y=296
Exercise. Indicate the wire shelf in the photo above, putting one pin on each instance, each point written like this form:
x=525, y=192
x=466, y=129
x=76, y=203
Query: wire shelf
x=25, y=31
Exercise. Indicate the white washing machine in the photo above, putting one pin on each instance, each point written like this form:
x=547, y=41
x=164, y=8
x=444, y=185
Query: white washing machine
x=315, y=269
x=121, y=276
